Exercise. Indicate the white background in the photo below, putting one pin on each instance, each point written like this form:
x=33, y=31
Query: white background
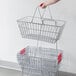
x=10, y=38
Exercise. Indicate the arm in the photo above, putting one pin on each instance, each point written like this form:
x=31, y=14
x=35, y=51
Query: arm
x=48, y=2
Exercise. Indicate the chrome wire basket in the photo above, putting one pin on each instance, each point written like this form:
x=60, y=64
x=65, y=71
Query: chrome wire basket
x=39, y=61
x=40, y=28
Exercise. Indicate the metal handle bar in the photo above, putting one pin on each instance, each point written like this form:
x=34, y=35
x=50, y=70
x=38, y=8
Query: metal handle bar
x=41, y=16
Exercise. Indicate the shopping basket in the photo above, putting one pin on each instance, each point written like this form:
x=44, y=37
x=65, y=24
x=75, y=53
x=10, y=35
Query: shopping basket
x=40, y=28
x=41, y=62
x=35, y=60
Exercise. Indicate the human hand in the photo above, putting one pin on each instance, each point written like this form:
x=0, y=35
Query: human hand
x=48, y=2
x=43, y=5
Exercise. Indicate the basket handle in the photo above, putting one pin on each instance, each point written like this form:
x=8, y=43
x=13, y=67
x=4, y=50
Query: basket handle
x=41, y=16
x=48, y=10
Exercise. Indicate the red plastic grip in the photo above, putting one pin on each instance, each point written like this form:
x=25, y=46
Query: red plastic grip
x=22, y=51
x=59, y=58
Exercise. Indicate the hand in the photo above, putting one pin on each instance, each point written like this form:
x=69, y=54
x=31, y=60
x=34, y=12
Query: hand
x=48, y=2
x=43, y=5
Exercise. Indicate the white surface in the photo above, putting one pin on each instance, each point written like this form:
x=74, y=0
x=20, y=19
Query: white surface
x=9, y=72
x=10, y=38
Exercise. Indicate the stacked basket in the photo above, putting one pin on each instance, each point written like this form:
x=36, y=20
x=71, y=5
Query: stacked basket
x=39, y=61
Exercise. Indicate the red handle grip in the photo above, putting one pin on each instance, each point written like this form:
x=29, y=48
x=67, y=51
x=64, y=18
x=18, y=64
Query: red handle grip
x=22, y=51
x=59, y=58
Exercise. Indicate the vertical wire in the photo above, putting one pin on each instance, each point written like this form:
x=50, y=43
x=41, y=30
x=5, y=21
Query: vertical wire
x=22, y=72
x=50, y=13
x=34, y=14
x=41, y=25
x=57, y=47
x=54, y=33
x=57, y=59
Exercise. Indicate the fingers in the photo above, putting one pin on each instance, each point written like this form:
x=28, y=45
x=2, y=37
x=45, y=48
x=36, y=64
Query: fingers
x=43, y=5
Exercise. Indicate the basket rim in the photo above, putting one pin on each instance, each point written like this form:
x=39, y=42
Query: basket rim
x=24, y=19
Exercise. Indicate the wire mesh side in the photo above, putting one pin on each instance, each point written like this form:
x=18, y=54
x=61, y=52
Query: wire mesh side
x=34, y=69
x=40, y=61
x=50, y=31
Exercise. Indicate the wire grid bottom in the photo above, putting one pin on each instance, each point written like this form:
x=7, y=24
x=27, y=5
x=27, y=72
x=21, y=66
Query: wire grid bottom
x=39, y=60
x=35, y=72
